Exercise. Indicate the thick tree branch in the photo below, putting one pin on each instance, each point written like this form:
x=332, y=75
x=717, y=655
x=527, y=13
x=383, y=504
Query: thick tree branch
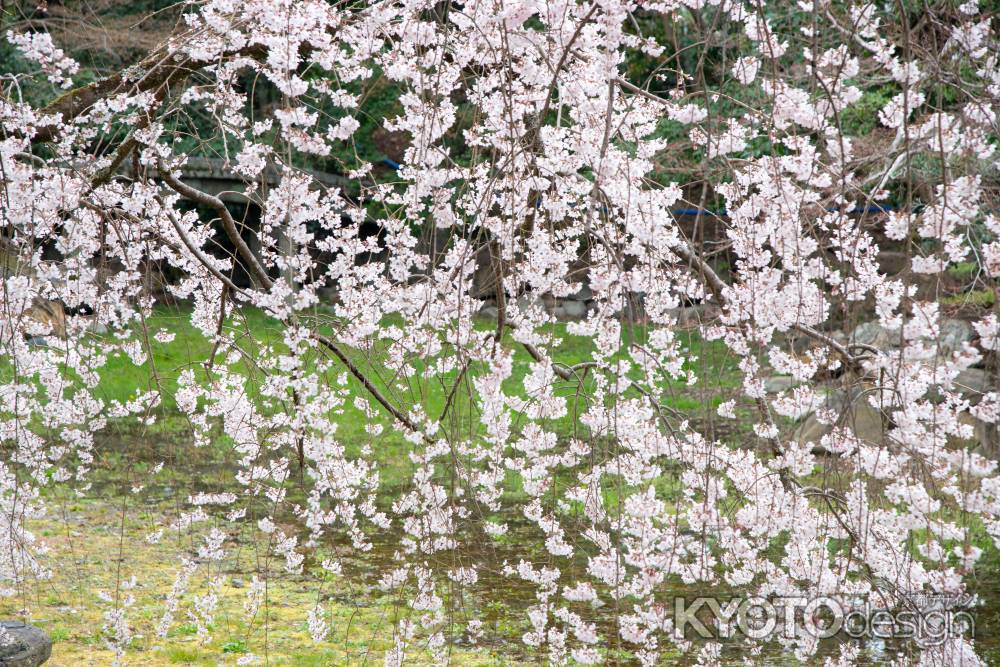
x=228, y=224
x=156, y=71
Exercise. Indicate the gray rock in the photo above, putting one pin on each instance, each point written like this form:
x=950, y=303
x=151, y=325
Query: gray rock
x=800, y=343
x=49, y=314
x=972, y=383
x=527, y=301
x=573, y=310
x=839, y=336
x=953, y=334
x=856, y=414
x=30, y=646
x=489, y=312
x=985, y=439
x=779, y=383
x=484, y=280
x=988, y=438
x=874, y=334
x=691, y=316
x=326, y=309
x=96, y=327
x=584, y=294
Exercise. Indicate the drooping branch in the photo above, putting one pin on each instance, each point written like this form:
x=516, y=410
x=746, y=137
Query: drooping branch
x=718, y=288
x=228, y=224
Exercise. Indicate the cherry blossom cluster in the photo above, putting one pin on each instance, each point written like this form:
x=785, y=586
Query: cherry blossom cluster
x=559, y=187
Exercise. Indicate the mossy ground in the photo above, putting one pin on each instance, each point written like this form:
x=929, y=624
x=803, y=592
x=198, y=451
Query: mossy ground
x=95, y=545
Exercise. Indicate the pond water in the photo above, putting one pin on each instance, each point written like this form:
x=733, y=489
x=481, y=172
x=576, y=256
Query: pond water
x=507, y=620
x=500, y=601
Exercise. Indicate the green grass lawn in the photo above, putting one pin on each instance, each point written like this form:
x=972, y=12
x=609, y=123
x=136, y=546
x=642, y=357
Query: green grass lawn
x=252, y=331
